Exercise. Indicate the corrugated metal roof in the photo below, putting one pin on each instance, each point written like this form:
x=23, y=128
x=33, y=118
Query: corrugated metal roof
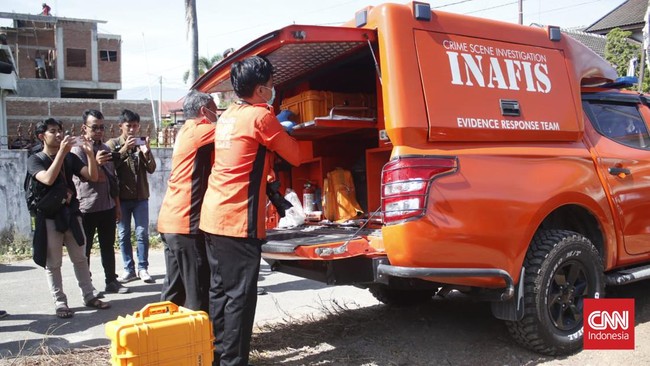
x=628, y=14
x=595, y=42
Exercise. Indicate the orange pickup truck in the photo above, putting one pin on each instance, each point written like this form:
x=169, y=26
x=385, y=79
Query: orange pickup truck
x=490, y=158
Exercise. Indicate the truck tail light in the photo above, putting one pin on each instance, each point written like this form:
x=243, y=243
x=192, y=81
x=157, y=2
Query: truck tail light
x=405, y=184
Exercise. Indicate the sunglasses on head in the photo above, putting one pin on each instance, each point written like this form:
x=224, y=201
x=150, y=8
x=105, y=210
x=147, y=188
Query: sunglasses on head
x=95, y=128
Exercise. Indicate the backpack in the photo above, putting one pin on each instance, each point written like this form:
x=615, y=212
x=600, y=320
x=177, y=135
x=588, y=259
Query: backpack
x=30, y=193
x=42, y=198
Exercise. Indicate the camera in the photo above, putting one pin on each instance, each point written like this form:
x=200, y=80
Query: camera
x=115, y=156
x=140, y=141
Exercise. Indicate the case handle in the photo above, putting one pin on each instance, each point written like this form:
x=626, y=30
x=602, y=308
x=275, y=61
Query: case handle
x=157, y=308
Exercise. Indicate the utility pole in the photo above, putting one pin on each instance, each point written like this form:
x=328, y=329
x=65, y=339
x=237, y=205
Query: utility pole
x=160, y=100
x=521, y=12
x=644, y=51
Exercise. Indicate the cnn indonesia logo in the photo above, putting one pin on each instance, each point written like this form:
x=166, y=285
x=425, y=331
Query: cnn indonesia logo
x=609, y=323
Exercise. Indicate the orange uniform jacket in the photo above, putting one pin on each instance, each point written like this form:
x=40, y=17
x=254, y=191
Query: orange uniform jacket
x=235, y=202
x=191, y=164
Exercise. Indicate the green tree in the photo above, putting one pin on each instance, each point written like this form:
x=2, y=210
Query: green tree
x=205, y=63
x=619, y=50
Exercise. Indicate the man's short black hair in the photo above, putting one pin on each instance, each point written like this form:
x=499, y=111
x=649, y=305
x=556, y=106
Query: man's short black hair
x=91, y=112
x=246, y=74
x=42, y=126
x=128, y=116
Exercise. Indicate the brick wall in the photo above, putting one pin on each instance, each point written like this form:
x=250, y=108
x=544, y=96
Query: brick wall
x=109, y=71
x=25, y=43
x=76, y=35
x=24, y=112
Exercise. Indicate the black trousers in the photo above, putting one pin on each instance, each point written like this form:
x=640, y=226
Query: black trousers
x=187, y=280
x=234, y=267
x=102, y=222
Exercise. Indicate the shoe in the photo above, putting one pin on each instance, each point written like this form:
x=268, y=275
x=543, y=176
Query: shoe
x=3, y=314
x=64, y=312
x=261, y=291
x=97, y=304
x=127, y=277
x=117, y=288
x=144, y=275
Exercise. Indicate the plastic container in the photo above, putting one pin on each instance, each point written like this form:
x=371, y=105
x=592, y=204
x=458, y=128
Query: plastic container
x=312, y=103
x=161, y=334
x=314, y=215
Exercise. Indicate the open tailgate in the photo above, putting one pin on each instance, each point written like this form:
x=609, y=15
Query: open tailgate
x=294, y=51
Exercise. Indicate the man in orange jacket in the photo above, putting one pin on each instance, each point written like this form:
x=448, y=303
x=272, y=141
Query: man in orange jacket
x=187, y=279
x=247, y=137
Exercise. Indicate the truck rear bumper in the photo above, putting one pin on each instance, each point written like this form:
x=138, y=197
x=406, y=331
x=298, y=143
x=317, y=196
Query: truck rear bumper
x=383, y=271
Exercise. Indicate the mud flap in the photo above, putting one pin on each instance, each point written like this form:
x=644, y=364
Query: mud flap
x=512, y=309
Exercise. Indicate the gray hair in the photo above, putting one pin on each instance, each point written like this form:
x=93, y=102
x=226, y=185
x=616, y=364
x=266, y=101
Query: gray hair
x=194, y=100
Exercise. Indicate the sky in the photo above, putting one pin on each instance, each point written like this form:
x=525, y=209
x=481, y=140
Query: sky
x=155, y=46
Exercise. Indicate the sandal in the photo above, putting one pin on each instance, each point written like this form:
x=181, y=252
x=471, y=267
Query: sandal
x=97, y=304
x=64, y=312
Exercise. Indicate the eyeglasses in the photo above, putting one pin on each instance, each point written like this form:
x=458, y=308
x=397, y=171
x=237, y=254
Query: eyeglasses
x=96, y=128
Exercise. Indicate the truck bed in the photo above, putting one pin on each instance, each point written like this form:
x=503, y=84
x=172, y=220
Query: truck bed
x=288, y=240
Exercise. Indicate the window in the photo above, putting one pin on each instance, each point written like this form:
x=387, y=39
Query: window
x=106, y=55
x=622, y=123
x=75, y=57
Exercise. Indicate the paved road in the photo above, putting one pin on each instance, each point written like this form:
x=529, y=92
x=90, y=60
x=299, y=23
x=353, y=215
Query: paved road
x=451, y=332
x=32, y=321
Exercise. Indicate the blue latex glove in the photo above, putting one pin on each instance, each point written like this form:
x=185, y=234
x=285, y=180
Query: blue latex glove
x=288, y=126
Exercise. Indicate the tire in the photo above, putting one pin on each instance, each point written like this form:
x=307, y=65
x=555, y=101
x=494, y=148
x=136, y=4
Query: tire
x=562, y=269
x=390, y=296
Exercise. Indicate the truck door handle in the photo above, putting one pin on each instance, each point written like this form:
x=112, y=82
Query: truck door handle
x=621, y=172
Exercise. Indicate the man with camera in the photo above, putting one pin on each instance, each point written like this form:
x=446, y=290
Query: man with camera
x=99, y=201
x=135, y=161
x=56, y=211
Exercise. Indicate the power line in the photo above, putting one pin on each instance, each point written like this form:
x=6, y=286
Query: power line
x=568, y=6
x=490, y=8
x=451, y=4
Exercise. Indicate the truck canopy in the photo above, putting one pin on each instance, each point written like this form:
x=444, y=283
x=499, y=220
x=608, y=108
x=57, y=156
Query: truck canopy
x=523, y=83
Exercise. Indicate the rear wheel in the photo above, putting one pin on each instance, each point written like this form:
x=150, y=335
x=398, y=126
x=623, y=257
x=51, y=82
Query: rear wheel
x=562, y=269
x=395, y=297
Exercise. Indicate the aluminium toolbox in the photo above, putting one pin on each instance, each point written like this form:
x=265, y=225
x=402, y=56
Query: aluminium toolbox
x=313, y=103
x=161, y=334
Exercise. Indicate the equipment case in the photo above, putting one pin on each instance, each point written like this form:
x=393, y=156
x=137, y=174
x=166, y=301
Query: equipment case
x=161, y=334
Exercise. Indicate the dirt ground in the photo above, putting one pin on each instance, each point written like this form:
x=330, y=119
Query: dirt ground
x=452, y=331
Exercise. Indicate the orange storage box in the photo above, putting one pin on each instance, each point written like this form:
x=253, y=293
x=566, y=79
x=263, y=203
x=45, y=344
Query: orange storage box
x=161, y=334
x=312, y=103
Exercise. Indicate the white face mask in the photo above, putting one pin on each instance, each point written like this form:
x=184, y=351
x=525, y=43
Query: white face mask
x=270, y=101
x=211, y=112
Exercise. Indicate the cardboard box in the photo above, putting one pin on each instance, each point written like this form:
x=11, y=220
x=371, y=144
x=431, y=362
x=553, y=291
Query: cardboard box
x=161, y=334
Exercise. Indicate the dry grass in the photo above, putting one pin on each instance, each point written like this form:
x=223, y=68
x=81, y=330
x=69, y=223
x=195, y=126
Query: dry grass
x=314, y=340
x=14, y=246
x=47, y=357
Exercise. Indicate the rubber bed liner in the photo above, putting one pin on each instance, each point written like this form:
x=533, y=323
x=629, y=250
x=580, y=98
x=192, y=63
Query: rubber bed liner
x=287, y=240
